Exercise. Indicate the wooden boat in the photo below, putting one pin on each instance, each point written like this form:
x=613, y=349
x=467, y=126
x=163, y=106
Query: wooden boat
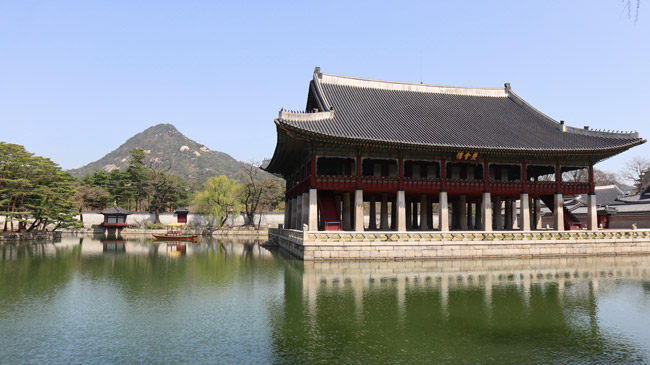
x=175, y=233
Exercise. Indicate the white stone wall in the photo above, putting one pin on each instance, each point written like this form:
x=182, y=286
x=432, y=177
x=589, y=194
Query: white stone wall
x=140, y=218
x=436, y=245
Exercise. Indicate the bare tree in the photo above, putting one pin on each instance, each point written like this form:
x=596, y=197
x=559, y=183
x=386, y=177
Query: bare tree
x=637, y=171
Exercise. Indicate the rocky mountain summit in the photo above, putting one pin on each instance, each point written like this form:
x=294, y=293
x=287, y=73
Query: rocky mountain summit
x=165, y=145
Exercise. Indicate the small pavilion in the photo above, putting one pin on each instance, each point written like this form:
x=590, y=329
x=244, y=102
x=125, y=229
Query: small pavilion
x=181, y=215
x=115, y=217
x=404, y=151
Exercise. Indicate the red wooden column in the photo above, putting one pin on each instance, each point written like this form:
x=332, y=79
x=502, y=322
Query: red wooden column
x=401, y=172
x=443, y=174
x=592, y=186
x=486, y=175
x=358, y=171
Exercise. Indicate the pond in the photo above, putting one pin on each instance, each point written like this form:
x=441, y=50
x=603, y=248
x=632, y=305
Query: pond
x=88, y=299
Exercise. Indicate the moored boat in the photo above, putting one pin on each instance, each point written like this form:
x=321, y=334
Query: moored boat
x=175, y=233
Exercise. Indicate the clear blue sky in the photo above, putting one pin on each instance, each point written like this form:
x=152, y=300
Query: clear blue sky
x=79, y=77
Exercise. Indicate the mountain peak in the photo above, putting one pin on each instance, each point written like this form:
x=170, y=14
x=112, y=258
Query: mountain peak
x=167, y=146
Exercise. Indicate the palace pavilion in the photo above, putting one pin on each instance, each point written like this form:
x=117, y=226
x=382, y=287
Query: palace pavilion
x=426, y=157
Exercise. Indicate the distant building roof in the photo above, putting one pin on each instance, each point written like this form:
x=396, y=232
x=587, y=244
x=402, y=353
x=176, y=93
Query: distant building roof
x=605, y=195
x=644, y=197
x=182, y=210
x=115, y=210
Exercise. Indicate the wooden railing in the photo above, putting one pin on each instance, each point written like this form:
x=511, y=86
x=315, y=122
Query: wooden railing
x=434, y=185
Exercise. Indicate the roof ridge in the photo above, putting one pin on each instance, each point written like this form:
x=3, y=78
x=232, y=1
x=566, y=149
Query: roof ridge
x=406, y=86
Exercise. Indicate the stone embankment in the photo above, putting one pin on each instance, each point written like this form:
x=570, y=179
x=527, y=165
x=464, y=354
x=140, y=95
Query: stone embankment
x=29, y=236
x=309, y=245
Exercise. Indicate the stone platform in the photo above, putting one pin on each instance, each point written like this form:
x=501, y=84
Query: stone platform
x=391, y=245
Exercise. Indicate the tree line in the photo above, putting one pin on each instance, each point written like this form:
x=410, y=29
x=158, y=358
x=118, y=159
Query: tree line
x=36, y=195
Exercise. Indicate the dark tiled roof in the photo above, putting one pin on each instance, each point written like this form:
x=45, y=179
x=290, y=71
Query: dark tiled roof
x=115, y=210
x=442, y=117
x=605, y=195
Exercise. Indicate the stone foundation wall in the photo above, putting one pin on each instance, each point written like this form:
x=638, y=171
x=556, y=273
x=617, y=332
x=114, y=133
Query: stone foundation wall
x=30, y=236
x=437, y=245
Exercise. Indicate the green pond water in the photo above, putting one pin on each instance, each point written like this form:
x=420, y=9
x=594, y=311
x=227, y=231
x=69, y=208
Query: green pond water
x=87, y=300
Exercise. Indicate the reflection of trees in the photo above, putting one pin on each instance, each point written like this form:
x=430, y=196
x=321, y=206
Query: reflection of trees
x=34, y=271
x=514, y=321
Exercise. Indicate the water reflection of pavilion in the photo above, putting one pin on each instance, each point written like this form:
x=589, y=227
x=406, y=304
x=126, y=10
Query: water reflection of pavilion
x=524, y=310
x=484, y=275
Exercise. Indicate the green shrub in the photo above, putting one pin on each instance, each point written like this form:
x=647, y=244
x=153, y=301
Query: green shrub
x=151, y=225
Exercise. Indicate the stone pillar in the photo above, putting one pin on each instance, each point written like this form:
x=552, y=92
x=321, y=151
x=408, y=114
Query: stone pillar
x=383, y=219
x=287, y=213
x=294, y=213
x=347, y=214
x=515, y=218
x=462, y=212
x=592, y=213
x=415, y=215
x=409, y=217
x=358, y=210
x=299, y=212
x=305, y=209
x=497, y=213
x=558, y=212
x=443, y=212
x=524, y=210
x=423, y=212
x=372, y=225
x=508, y=215
x=538, y=213
x=486, y=208
x=313, y=210
x=470, y=215
x=401, y=211
x=478, y=224
x=393, y=215
x=430, y=213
